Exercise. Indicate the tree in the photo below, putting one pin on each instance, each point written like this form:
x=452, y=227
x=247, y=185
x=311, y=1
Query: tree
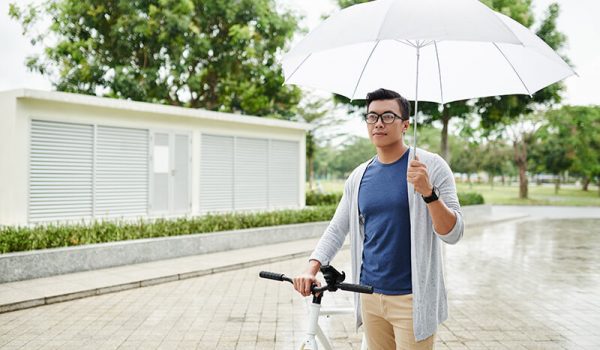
x=577, y=128
x=552, y=154
x=317, y=112
x=498, y=112
x=358, y=150
x=495, y=159
x=467, y=159
x=218, y=55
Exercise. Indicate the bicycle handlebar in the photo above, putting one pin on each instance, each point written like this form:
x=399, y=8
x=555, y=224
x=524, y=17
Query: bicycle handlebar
x=357, y=288
x=275, y=276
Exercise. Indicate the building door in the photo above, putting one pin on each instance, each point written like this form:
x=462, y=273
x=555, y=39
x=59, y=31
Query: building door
x=170, y=173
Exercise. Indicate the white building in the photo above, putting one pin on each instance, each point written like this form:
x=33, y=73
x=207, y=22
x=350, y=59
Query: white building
x=76, y=157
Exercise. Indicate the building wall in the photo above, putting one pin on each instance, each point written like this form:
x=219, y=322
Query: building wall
x=10, y=171
x=15, y=136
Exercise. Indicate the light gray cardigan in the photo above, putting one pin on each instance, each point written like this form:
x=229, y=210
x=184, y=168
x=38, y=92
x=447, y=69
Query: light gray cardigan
x=430, y=305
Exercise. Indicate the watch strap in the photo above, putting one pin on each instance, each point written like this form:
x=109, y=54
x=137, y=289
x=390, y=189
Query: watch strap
x=433, y=197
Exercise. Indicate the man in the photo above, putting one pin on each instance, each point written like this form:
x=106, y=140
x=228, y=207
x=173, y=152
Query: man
x=398, y=210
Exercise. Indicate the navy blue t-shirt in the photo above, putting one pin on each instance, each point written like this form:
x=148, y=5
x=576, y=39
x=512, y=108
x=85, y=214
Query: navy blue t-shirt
x=383, y=205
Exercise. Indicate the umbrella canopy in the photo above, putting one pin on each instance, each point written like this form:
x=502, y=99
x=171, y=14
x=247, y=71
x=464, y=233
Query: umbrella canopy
x=453, y=50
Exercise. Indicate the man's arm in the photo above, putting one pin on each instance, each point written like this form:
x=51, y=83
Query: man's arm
x=443, y=218
x=446, y=210
x=329, y=244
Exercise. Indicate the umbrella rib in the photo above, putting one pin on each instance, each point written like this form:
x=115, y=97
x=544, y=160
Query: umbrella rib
x=295, y=70
x=363, y=69
x=407, y=43
x=513, y=68
x=437, y=57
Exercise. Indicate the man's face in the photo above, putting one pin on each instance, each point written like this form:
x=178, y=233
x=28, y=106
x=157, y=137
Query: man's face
x=382, y=134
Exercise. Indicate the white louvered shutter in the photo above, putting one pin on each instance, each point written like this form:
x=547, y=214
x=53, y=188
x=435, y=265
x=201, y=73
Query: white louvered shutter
x=60, y=174
x=284, y=174
x=121, y=172
x=216, y=173
x=251, y=173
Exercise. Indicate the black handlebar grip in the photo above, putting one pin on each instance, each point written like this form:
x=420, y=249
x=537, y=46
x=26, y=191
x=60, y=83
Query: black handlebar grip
x=272, y=275
x=356, y=288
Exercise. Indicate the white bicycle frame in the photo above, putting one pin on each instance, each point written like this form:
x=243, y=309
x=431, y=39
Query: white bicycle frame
x=314, y=331
x=334, y=281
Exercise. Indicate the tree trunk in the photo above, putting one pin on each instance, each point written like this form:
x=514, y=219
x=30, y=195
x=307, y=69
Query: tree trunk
x=557, y=184
x=586, y=183
x=311, y=174
x=444, y=144
x=503, y=180
x=491, y=180
x=521, y=160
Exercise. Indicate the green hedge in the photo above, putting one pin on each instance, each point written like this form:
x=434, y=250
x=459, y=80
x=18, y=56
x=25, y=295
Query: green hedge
x=314, y=198
x=470, y=198
x=14, y=239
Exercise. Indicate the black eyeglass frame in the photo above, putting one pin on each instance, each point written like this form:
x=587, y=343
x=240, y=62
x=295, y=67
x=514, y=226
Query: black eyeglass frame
x=380, y=116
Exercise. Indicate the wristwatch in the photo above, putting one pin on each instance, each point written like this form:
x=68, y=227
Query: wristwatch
x=433, y=197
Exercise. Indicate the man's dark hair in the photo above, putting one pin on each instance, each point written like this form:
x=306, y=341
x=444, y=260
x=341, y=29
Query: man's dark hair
x=383, y=94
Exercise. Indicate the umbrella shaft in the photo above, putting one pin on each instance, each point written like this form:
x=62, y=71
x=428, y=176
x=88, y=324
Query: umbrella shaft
x=416, y=106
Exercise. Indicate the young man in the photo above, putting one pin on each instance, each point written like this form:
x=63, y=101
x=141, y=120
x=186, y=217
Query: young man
x=398, y=211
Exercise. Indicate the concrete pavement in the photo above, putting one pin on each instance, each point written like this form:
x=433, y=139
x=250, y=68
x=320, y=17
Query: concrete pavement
x=530, y=283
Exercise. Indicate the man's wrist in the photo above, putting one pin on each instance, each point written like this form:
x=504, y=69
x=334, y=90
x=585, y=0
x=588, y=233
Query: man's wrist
x=433, y=196
x=429, y=193
x=313, y=266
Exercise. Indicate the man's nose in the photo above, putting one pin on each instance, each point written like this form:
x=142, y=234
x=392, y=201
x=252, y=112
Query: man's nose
x=379, y=123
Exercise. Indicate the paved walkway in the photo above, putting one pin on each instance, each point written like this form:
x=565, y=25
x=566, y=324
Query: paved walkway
x=525, y=284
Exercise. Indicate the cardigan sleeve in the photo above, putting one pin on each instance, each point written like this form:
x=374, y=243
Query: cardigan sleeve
x=447, y=187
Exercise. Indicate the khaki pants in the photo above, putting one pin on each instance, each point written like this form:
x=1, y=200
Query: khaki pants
x=388, y=323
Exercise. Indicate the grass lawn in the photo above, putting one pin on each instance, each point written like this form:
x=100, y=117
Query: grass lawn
x=508, y=195
x=538, y=194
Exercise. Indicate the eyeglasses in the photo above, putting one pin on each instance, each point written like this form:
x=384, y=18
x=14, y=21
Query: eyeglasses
x=386, y=118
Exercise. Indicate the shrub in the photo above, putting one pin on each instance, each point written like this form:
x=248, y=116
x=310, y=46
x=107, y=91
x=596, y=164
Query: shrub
x=316, y=198
x=13, y=239
x=470, y=198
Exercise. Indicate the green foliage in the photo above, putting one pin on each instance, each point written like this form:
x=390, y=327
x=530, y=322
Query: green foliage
x=467, y=158
x=496, y=158
x=347, y=3
x=219, y=55
x=571, y=141
x=519, y=10
x=13, y=239
x=470, y=198
x=316, y=198
x=355, y=152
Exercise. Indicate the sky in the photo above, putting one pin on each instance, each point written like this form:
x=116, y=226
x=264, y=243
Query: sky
x=578, y=20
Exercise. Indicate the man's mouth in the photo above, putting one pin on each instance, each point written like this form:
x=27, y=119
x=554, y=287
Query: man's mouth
x=379, y=134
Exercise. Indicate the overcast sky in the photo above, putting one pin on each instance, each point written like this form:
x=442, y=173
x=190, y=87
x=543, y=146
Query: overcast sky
x=578, y=20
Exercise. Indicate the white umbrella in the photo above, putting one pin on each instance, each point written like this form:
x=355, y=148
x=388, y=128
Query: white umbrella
x=430, y=50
